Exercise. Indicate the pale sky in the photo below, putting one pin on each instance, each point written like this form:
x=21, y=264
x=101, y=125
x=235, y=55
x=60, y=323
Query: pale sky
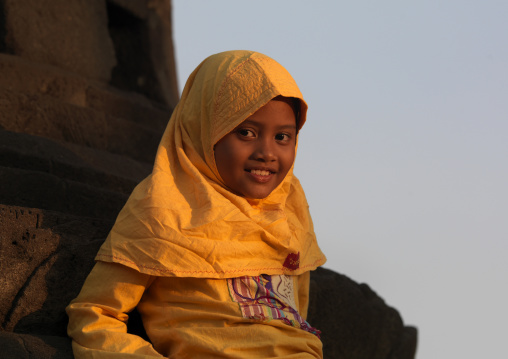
x=404, y=156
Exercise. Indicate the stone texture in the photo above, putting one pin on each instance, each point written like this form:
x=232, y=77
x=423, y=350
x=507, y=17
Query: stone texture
x=44, y=116
x=64, y=160
x=44, y=258
x=136, y=8
x=26, y=346
x=72, y=35
x=355, y=322
x=30, y=78
x=72, y=147
x=138, y=29
x=47, y=191
x=162, y=51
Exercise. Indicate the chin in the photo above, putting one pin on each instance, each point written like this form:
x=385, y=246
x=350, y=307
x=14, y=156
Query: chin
x=257, y=195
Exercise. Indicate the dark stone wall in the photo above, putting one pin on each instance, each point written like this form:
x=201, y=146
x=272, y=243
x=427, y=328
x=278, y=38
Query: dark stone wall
x=86, y=89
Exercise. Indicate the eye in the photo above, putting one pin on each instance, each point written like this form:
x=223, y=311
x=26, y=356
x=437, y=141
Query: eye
x=244, y=132
x=282, y=137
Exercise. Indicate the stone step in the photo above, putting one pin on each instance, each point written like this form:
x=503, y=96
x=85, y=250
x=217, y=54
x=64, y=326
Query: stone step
x=72, y=162
x=43, y=190
x=32, y=78
x=48, y=117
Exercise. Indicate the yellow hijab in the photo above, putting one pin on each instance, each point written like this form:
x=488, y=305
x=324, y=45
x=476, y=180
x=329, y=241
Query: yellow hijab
x=182, y=220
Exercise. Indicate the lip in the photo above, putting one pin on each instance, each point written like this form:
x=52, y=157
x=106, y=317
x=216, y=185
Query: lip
x=261, y=168
x=259, y=178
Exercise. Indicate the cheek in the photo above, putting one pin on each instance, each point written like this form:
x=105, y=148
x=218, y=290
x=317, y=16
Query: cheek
x=225, y=158
x=287, y=159
x=290, y=158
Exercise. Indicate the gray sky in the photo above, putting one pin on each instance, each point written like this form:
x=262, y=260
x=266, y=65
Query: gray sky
x=404, y=156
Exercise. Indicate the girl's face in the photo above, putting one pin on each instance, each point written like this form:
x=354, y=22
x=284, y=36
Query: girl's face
x=256, y=156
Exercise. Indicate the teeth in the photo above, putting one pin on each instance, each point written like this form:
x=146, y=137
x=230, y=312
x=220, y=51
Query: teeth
x=260, y=172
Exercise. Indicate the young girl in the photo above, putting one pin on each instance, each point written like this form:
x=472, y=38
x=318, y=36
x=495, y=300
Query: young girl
x=215, y=246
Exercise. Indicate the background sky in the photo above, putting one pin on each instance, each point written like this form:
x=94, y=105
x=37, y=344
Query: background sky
x=404, y=156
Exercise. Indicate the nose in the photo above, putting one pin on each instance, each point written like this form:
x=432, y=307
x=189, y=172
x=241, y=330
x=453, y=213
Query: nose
x=264, y=151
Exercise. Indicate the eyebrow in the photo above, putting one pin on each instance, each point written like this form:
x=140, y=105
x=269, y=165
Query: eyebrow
x=251, y=122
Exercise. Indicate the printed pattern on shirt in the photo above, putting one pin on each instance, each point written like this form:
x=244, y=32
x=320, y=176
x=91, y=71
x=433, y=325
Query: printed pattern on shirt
x=268, y=297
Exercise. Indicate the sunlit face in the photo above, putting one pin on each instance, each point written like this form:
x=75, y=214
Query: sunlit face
x=255, y=157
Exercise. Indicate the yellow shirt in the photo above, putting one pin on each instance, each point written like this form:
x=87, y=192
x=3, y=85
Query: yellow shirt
x=185, y=318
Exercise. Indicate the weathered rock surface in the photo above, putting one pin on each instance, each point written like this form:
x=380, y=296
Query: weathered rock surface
x=29, y=346
x=44, y=116
x=58, y=32
x=45, y=258
x=355, y=321
x=36, y=79
x=86, y=89
x=69, y=161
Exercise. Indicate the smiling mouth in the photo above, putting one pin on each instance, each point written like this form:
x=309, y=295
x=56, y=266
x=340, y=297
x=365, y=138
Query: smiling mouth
x=260, y=176
x=260, y=172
